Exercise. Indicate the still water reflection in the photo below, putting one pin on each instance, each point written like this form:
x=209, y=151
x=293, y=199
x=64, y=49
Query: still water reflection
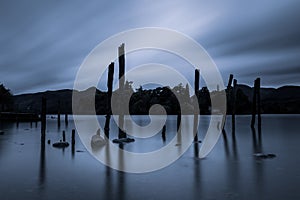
x=31, y=170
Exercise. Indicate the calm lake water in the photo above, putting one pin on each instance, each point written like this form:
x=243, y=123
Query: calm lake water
x=229, y=172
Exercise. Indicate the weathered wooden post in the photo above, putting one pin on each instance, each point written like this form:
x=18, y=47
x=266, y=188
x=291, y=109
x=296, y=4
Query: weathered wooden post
x=110, y=78
x=228, y=92
x=43, y=119
x=233, y=105
x=196, y=88
x=58, y=113
x=253, y=106
x=230, y=81
x=256, y=103
x=121, y=52
x=197, y=77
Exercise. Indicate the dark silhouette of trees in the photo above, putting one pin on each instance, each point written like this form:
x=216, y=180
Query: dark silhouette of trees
x=6, y=99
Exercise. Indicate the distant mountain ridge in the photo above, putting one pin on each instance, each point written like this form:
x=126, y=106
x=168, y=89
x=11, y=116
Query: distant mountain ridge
x=280, y=100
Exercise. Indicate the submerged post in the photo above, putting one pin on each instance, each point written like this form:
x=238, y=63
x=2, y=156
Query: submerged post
x=43, y=119
x=110, y=78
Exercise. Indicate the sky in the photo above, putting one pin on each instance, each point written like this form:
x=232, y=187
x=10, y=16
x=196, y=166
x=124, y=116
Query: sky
x=43, y=43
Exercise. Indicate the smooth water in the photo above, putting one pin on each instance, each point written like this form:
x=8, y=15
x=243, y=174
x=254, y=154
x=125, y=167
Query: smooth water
x=29, y=171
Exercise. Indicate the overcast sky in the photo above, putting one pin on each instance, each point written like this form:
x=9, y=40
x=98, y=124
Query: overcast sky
x=43, y=43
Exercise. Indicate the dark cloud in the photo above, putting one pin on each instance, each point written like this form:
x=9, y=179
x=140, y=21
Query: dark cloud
x=42, y=44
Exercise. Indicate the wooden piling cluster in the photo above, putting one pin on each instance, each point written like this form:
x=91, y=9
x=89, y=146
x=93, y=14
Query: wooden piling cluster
x=121, y=59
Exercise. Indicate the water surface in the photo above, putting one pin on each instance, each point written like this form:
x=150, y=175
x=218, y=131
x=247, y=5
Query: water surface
x=29, y=171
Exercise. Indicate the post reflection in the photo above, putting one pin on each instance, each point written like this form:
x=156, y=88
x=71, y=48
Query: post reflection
x=196, y=140
x=258, y=165
x=42, y=167
x=226, y=147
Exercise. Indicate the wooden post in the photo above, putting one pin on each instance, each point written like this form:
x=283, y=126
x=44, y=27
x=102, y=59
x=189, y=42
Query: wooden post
x=121, y=52
x=58, y=113
x=254, y=104
x=228, y=92
x=64, y=136
x=197, y=77
x=110, y=79
x=233, y=105
x=258, y=103
x=43, y=119
x=230, y=81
